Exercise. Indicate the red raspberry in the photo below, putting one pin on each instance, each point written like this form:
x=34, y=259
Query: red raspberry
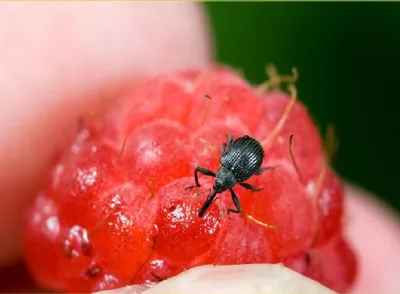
x=333, y=264
x=114, y=210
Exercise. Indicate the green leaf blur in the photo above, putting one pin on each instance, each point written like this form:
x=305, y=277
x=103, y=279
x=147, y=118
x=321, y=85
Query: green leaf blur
x=348, y=59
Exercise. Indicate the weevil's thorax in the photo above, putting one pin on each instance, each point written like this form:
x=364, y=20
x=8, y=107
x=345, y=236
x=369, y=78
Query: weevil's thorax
x=243, y=158
x=224, y=180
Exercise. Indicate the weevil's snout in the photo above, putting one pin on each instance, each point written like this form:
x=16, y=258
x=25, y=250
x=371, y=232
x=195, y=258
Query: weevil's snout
x=219, y=185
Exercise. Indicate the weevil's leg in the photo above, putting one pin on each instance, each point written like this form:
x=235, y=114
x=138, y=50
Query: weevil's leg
x=203, y=171
x=206, y=205
x=263, y=169
x=250, y=187
x=235, y=200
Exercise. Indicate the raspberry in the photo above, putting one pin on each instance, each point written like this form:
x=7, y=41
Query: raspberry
x=114, y=209
x=333, y=264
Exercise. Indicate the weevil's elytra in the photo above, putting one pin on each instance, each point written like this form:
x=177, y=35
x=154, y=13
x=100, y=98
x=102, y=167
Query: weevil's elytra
x=244, y=157
x=240, y=159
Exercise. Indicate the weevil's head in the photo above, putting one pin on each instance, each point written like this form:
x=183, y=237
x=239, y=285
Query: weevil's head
x=224, y=180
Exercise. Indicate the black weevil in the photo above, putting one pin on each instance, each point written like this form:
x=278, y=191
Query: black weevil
x=240, y=159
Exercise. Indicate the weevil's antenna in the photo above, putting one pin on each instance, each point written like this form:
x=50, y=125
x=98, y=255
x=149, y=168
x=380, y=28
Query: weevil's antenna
x=284, y=116
x=292, y=156
x=275, y=79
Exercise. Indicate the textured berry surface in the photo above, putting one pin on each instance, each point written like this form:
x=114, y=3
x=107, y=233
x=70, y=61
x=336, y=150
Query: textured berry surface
x=114, y=209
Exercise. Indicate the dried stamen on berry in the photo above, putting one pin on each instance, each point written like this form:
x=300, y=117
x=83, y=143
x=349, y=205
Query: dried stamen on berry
x=330, y=150
x=152, y=190
x=121, y=152
x=331, y=144
x=269, y=226
x=153, y=248
x=196, y=195
x=209, y=146
x=283, y=118
x=275, y=80
x=114, y=208
x=292, y=156
x=208, y=106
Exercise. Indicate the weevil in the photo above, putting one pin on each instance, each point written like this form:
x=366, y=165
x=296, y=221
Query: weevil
x=240, y=160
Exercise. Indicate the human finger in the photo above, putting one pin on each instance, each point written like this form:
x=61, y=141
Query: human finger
x=249, y=278
x=374, y=233
x=54, y=58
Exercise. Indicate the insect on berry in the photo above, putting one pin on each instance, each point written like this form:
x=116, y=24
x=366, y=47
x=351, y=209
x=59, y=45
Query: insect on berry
x=240, y=160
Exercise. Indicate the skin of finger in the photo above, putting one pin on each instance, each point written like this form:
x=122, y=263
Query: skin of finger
x=249, y=278
x=374, y=233
x=55, y=59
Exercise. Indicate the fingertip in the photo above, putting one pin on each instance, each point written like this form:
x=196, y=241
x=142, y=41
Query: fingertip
x=247, y=278
x=54, y=57
x=374, y=232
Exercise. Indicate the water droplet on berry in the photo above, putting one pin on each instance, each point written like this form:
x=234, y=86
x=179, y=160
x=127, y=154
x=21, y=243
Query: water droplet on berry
x=81, y=137
x=93, y=270
x=324, y=203
x=107, y=282
x=77, y=243
x=86, y=177
x=159, y=270
x=58, y=171
x=53, y=225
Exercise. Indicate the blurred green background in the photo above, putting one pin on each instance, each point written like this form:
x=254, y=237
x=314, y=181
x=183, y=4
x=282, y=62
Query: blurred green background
x=348, y=59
